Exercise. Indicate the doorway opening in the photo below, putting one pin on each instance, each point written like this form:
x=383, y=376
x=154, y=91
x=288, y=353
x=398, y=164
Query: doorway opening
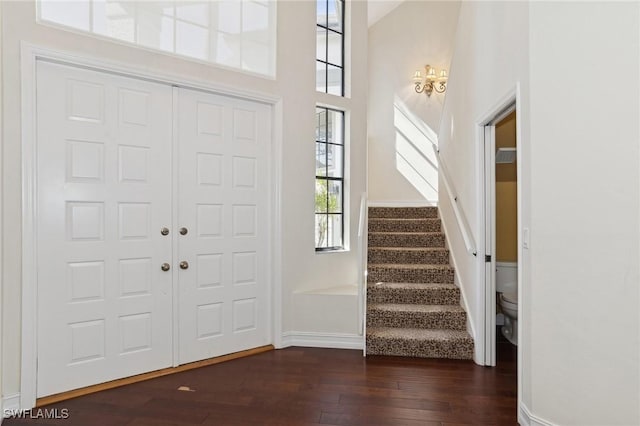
x=501, y=195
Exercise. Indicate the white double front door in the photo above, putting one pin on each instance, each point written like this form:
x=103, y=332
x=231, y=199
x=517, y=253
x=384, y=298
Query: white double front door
x=152, y=210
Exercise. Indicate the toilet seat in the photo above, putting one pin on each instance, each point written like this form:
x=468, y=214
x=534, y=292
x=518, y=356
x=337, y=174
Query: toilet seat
x=510, y=297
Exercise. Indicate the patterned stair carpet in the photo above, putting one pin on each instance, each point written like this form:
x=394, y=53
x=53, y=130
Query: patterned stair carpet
x=413, y=305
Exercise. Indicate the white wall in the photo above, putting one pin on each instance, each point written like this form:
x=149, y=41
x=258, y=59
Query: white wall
x=295, y=84
x=413, y=35
x=578, y=148
x=584, y=323
x=490, y=59
x=1, y=232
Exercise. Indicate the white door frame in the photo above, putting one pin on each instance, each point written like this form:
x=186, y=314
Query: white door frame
x=490, y=231
x=30, y=54
x=485, y=160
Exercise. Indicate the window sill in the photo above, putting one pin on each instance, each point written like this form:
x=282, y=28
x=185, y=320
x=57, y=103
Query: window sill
x=341, y=250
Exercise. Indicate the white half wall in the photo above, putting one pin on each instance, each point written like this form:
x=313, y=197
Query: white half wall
x=302, y=268
x=403, y=124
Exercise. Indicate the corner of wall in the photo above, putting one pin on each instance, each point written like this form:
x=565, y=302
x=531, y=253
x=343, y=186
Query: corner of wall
x=526, y=418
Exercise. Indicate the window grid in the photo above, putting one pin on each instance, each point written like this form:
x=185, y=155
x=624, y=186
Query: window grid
x=170, y=12
x=328, y=30
x=330, y=139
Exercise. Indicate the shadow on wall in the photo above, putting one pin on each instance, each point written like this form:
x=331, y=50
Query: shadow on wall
x=416, y=151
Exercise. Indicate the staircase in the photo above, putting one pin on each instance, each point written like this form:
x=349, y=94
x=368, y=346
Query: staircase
x=413, y=306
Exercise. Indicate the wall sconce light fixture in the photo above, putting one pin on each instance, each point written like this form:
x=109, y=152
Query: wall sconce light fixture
x=432, y=81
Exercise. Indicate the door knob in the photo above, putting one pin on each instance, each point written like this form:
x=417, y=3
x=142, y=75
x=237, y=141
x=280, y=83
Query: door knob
x=184, y=265
x=183, y=231
x=165, y=267
x=164, y=230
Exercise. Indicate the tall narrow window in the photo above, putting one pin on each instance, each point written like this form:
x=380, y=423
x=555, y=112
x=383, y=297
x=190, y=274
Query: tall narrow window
x=330, y=47
x=329, y=179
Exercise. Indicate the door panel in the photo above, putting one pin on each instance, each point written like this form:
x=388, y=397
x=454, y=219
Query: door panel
x=103, y=194
x=223, y=202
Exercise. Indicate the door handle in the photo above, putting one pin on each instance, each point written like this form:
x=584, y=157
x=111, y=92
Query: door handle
x=164, y=230
x=184, y=265
x=165, y=267
x=183, y=231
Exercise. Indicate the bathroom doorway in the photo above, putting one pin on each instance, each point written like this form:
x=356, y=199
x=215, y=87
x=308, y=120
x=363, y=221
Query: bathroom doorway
x=501, y=194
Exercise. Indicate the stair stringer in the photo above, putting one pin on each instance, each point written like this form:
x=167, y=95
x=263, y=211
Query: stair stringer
x=471, y=329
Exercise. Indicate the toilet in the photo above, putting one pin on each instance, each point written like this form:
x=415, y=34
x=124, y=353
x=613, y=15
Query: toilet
x=507, y=288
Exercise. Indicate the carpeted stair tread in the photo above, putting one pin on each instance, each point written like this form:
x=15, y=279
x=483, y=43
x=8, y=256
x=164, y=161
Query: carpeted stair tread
x=404, y=255
x=406, y=239
x=414, y=286
x=413, y=293
x=403, y=307
x=403, y=212
x=451, y=317
x=409, y=273
x=409, y=266
x=419, y=342
x=404, y=225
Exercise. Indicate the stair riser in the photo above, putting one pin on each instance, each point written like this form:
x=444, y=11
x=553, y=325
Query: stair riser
x=388, y=275
x=429, y=320
x=403, y=212
x=450, y=349
x=416, y=297
x=430, y=257
x=393, y=225
x=406, y=240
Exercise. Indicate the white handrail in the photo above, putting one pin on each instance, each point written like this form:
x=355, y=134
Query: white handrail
x=463, y=225
x=362, y=262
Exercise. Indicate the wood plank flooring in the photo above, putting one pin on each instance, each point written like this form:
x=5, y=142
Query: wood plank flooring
x=308, y=386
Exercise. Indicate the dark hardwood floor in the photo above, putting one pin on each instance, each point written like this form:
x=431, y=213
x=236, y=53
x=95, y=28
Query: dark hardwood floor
x=306, y=386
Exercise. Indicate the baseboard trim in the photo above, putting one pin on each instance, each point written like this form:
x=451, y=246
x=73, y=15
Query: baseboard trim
x=525, y=418
x=322, y=340
x=10, y=404
x=402, y=203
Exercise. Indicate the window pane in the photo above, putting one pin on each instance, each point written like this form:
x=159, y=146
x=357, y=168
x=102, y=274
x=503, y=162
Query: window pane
x=321, y=124
x=227, y=49
x=321, y=230
x=335, y=158
x=335, y=15
x=71, y=13
x=196, y=12
x=155, y=30
x=321, y=44
x=321, y=12
x=335, y=48
x=335, y=196
x=321, y=159
x=229, y=15
x=335, y=127
x=334, y=85
x=335, y=230
x=255, y=18
x=192, y=40
x=321, y=196
x=187, y=28
x=321, y=77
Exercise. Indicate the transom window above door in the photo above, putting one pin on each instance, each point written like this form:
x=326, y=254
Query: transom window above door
x=239, y=34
